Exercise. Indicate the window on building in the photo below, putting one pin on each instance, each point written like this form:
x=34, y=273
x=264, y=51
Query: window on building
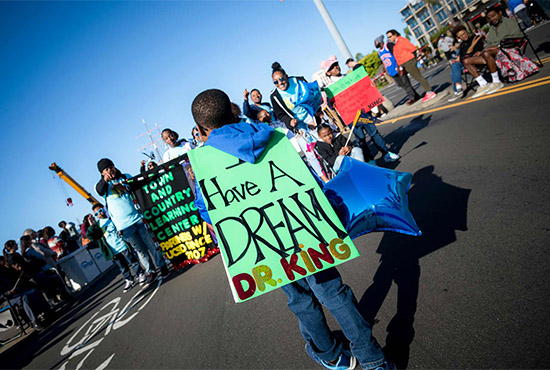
x=428, y=25
x=423, y=15
x=417, y=32
x=418, y=4
x=422, y=41
x=412, y=23
x=406, y=13
x=436, y=7
x=441, y=16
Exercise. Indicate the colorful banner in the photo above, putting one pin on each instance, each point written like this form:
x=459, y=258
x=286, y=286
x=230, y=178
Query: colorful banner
x=272, y=220
x=167, y=202
x=353, y=92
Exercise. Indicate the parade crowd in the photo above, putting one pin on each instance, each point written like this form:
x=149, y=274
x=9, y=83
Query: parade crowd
x=33, y=279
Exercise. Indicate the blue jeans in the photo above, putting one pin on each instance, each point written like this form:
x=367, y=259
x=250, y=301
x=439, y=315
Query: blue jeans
x=139, y=238
x=363, y=129
x=456, y=74
x=305, y=297
x=122, y=260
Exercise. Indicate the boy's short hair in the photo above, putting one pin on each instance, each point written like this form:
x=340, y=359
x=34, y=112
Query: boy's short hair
x=212, y=109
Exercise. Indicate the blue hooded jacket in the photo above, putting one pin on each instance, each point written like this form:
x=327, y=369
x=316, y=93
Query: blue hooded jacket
x=246, y=141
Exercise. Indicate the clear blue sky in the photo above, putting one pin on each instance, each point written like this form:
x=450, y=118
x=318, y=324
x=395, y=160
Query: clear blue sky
x=79, y=76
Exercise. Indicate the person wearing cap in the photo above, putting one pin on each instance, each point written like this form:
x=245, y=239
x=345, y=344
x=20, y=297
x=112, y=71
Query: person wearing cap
x=404, y=53
x=127, y=220
x=385, y=53
x=445, y=42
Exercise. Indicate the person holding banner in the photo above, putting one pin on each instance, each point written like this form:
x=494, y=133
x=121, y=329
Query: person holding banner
x=177, y=147
x=128, y=221
x=404, y=52
x=211, y=110
x=333, y=148
x=298, y=118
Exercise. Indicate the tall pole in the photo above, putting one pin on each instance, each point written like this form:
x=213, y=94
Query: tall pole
x=332, y=28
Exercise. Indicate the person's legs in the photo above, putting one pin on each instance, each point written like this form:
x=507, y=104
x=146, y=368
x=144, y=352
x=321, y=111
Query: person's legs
x=456, y=75
x=357, y=153
x=339, y=299
x=123, y=265
x=411, y=68
x=489, y=57
x=146, y=237
x=131, y=235
x=311, y=319
x=379, y=142
x=23, y=301
x=523, y=14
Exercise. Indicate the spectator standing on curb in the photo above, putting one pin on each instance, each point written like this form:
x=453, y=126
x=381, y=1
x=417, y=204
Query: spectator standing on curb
x=385, y=53
x=404, y=52
x=128, y=221
x=521, y=11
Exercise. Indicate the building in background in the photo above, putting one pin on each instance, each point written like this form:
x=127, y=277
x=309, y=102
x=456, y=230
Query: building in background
x=424, y=18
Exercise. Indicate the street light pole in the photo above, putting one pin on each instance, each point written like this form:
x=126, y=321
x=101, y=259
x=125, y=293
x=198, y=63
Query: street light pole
x=332, y=28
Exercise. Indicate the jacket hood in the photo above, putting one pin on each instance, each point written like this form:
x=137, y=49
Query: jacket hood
x=246, y=141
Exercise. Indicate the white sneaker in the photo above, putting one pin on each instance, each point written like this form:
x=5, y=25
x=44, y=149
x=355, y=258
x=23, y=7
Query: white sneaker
x=456, y=95
x=391, y=157
x=482, y=90
x=142, y=278
x=129, y=285
x=494, y=87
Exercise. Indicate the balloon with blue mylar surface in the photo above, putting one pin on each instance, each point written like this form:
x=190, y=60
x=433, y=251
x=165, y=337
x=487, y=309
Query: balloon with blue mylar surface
x=368, y=198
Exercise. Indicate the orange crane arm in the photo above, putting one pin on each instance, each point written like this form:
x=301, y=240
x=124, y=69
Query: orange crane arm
x=75, y=185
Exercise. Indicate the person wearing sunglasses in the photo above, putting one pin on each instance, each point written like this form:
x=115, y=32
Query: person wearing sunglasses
x=112, y=246
x=297, y=119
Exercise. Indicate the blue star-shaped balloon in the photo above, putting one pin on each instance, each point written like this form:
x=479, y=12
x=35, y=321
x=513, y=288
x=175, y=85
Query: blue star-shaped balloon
x=368, y=198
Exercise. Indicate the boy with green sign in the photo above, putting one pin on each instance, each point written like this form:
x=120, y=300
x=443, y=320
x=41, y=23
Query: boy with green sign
x=276, y=229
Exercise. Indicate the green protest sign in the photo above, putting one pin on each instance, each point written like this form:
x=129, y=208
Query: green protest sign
x=273, y=222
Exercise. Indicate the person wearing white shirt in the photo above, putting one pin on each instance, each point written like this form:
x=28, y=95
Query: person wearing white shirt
x=176, y=147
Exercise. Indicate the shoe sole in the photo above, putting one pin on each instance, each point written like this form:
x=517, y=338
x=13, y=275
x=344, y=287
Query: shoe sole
x=493, y=91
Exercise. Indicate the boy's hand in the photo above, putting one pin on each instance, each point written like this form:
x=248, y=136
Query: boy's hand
x=245, y=94
x=345, y=150
x=293, y=122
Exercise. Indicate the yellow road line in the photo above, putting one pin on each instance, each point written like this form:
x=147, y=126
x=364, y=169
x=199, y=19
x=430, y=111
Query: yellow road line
x=523, y=84
x=518, y=88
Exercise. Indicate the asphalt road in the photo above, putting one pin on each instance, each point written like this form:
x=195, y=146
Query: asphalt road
x=473, y=291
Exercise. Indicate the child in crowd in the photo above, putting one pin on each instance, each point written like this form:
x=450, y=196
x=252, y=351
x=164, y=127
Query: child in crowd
x=111, y=244
x=176, y=147
x=333, y=148
x=211, y=110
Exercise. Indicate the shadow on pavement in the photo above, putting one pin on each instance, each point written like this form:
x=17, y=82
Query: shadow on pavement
x=439, y=209
x=397, y=138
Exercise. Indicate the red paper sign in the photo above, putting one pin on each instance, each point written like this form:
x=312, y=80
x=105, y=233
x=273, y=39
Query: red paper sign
x=361, y=95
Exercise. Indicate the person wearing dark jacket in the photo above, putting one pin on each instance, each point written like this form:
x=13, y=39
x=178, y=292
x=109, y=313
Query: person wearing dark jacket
x=332, y=148
x=297, y=119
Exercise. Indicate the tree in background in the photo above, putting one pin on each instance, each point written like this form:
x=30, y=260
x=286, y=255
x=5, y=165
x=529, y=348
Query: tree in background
x=407, y=33
x=359, y=56
x=371, y=62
